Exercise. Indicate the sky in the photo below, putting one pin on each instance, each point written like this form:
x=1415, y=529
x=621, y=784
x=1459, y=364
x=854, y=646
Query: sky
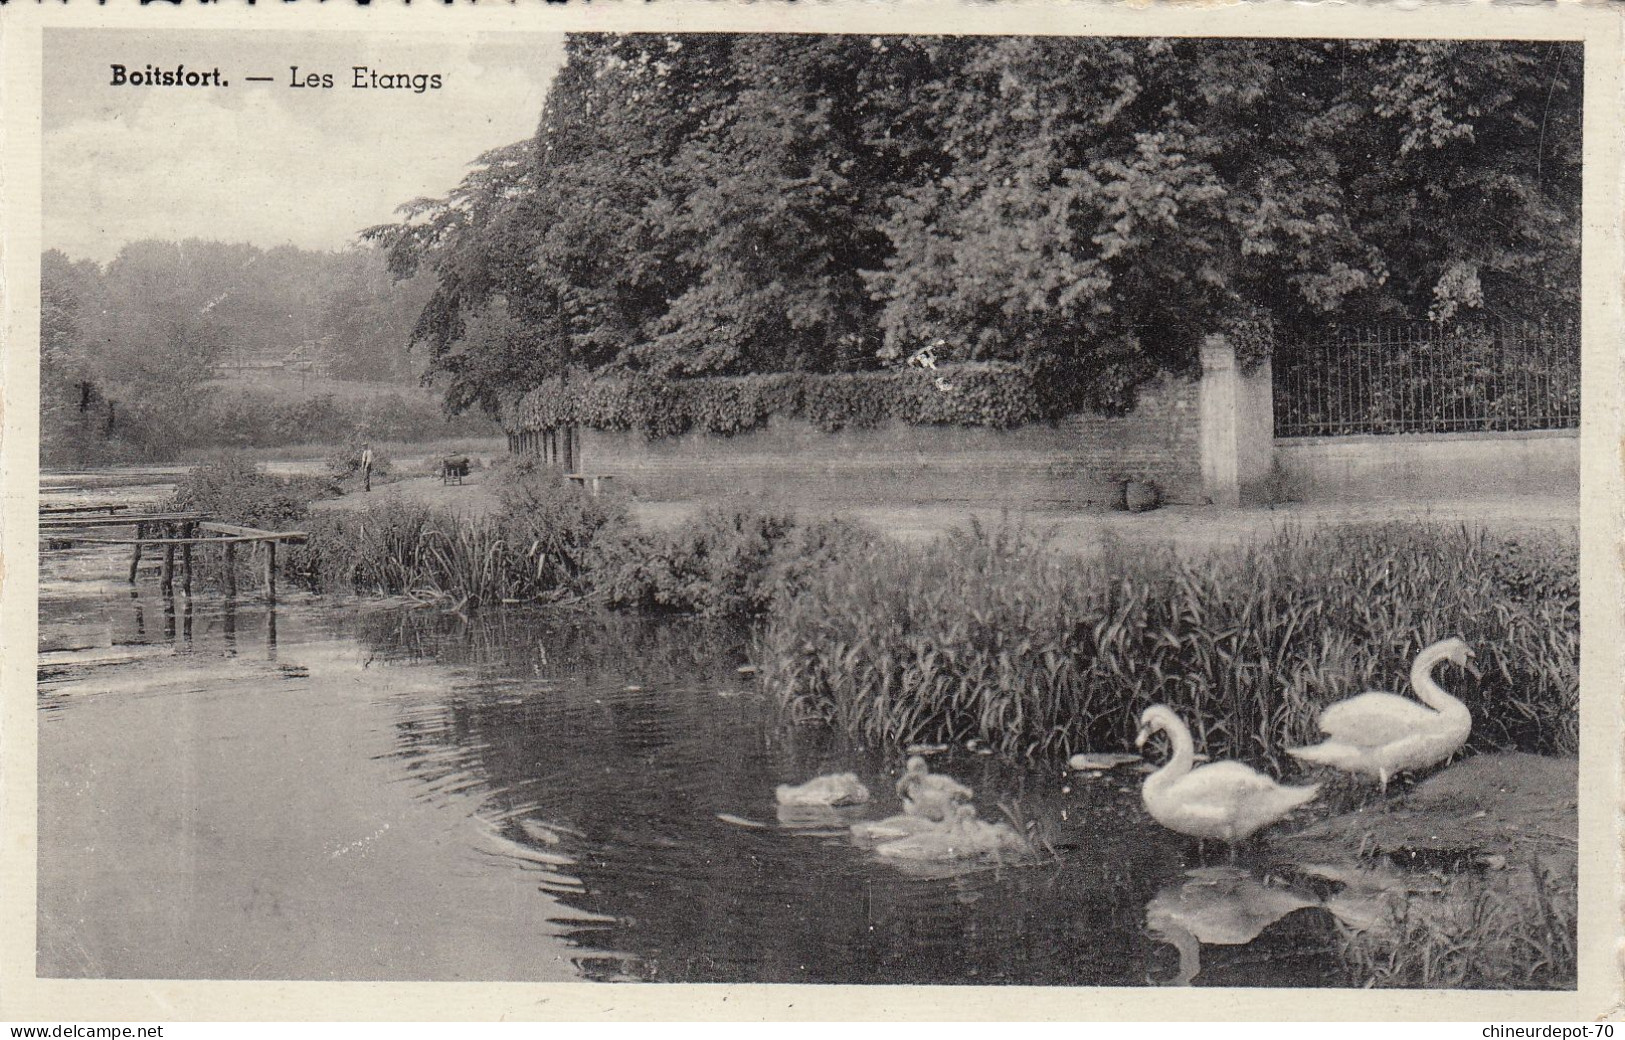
x=267, y=163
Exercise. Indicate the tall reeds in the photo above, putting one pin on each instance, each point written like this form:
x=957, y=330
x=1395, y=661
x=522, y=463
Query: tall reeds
x=989, y=635
x=551, y=542
x=402, y=549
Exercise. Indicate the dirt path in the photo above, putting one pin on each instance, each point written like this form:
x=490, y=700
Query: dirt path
x=1195, y=529
x=473, y=497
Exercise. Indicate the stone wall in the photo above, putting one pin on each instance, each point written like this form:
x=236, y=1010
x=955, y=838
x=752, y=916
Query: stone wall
x=1069, y=462
x=1432, y=466
x=1203, y=441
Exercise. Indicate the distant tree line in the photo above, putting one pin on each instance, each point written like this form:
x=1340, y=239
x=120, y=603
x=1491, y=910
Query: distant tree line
x=127, y=350
x=698, y=205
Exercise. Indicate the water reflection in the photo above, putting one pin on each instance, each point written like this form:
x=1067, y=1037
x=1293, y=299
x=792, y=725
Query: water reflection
x=629, y=770
x=391, y=792
x=186, y=617
x=1369, y=897
x=1217, y=906
x=110, y=630
x=168, y=603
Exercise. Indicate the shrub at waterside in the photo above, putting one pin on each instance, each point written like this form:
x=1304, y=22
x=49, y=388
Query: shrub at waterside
x=235, y=489
x=727, y=562
x=551, y=542
x=989, y=635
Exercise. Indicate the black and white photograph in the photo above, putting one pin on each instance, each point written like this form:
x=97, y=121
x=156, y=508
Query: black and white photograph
x=977, y=508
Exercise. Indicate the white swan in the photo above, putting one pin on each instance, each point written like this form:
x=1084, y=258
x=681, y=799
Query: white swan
x=928, y=794
x=833, y=789
x=1381, y=734
x=1226, y=800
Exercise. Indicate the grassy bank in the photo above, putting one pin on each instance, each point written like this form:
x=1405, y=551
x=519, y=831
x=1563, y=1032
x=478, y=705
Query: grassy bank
x=1515, y=929
x=249, y=416
x=989, y=634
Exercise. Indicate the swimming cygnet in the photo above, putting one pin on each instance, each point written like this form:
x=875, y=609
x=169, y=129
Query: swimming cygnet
x=892, y=828
x=961, y=838
x=834, y=789
x=930, y=795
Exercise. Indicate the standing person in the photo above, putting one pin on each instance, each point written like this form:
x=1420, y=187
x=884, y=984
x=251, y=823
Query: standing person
x=366, y=467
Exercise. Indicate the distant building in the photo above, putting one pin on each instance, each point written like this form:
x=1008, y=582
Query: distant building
x=245, y=367
x=305, y=359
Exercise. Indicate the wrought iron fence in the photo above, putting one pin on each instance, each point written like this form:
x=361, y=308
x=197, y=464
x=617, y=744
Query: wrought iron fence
x=1428, y=378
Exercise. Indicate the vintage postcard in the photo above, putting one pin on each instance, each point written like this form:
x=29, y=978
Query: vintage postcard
x=856, y=511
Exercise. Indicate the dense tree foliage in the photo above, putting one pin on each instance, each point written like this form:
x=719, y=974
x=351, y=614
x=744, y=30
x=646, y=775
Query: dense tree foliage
x=718, y=205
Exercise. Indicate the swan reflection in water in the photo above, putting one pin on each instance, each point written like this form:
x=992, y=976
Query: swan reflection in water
x=1372, y=898
x=1219, y=906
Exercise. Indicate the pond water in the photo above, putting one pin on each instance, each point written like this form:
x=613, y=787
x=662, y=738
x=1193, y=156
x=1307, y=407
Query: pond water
x=333, y=790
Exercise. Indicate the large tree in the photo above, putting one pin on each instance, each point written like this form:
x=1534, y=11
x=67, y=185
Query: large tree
x=697, y=205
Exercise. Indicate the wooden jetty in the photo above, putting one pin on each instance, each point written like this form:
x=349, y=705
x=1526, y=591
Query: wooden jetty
x=65, y=527
x=112, y=507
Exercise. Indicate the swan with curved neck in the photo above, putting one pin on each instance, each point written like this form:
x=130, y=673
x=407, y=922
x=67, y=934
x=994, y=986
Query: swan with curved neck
x=1225, y=800
x=1382, y=734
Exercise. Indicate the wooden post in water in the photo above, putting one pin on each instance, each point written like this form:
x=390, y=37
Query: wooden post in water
x=270, y=632
x=135, y=560
x=231, y=568
x=168, y=600
x=270, y=570
x=186, y=564
x=166, y=580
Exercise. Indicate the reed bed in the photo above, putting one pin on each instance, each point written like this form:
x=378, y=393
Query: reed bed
x=400, y=549
x=553, y=543
x=989, y=635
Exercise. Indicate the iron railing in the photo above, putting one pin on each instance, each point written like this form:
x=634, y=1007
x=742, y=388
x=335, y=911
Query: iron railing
x=1430, y=378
